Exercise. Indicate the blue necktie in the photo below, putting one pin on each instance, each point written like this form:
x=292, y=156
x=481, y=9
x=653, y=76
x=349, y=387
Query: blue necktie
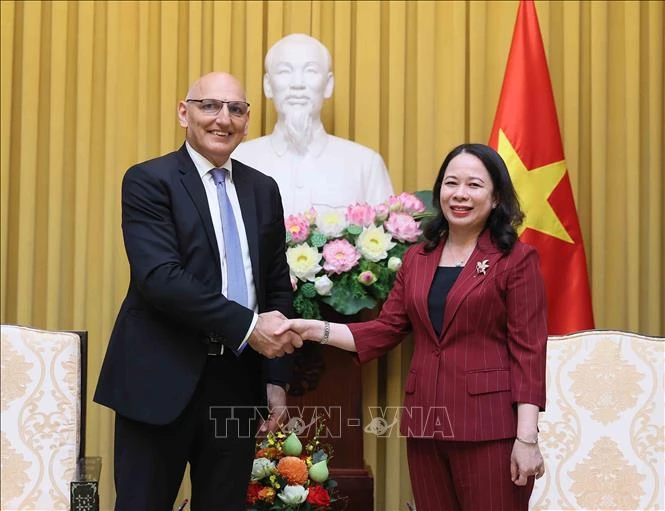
x=235, y=269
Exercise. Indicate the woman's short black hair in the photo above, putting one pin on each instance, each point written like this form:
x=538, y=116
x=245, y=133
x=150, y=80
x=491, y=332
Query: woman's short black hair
x=503, y=220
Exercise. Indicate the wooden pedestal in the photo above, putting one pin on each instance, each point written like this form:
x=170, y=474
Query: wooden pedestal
x=328, y=380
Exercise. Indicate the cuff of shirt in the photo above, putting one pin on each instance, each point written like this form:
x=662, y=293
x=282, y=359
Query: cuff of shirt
x=249, y=331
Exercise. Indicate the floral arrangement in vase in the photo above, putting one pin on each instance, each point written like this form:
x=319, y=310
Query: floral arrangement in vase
x=349, y=260
x=290, y=476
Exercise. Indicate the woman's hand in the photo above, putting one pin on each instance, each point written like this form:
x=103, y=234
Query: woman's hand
x=525, y=461
x=307, y=329
x=333, y=334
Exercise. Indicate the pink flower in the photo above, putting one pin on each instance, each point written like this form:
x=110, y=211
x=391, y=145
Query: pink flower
x=367, y=278
x=298, y=227
x=360, y=214
x=382, y=212
x=411, y=203
x=393, y=203
x=403, y=227
x=310, y=215
x=339, y=256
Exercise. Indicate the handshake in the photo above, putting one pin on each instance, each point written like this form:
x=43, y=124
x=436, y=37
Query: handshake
x=274, y=334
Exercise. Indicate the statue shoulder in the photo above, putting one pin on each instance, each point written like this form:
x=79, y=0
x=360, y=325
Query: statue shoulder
x=364, y=156
x=349, y=145
x=252, y=145
x=256, y=152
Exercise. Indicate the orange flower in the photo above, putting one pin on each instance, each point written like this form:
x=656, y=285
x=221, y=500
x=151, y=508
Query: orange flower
x=293, y=469
x=253, y=491
x=269, y=452
x=267, y=495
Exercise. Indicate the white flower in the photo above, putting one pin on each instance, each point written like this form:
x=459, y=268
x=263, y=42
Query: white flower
x=262, y=467
x=373, y=243
x=323, y=285
x=293, y=495
x=303, y=261
x=331, y=223
x=394, y=263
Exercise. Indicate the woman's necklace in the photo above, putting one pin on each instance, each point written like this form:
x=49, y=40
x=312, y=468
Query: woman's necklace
x=460, y=261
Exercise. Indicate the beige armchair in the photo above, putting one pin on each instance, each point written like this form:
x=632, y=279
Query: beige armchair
x=602, y=434
x=43, y=417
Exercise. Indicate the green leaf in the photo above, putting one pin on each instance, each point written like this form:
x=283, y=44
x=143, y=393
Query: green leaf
x=318, y=239
x=398, y=250
x=426, y=197
x=345, y=302
x=354, y=230
x=305, y=307
x=319, y=455
x=308, y=290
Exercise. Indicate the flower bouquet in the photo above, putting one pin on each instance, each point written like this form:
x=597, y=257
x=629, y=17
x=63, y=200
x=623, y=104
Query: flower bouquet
x=289, y=476
x=349, y=260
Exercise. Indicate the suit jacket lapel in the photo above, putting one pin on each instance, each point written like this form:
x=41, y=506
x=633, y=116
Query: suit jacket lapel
x=485, y=254
x=429, y=264
x=245, y=191
x=194, y=186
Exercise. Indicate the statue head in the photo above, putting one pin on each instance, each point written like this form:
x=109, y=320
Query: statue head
x=298, y=79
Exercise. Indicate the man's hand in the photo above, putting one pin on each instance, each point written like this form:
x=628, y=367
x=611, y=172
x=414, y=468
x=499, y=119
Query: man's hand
x=264, y=340
x=276, y=409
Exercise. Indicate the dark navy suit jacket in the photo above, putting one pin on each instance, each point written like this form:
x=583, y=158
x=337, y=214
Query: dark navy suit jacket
x=157, y=349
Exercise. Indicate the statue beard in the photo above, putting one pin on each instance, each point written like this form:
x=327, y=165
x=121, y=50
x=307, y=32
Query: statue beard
x=298, y=126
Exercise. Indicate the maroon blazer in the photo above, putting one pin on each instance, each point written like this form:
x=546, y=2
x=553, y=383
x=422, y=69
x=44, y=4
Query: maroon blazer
x=464, y=385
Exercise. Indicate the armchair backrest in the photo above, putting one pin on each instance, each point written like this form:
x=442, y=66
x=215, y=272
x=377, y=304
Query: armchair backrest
x=602, y=434
x=43, y=416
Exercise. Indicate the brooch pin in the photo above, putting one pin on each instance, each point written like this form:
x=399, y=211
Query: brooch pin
x=481, y=267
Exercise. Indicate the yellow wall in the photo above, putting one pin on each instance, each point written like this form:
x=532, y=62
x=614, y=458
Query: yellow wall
x=88, y=88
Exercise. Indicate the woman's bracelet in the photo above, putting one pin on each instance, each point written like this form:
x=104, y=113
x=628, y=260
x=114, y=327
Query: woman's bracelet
x=534, y=442
x=326, y=333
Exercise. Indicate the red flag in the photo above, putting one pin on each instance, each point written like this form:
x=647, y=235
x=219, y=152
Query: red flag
x=526, y=134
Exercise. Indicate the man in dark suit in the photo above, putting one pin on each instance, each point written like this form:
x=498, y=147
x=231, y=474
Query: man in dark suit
x=187, y=368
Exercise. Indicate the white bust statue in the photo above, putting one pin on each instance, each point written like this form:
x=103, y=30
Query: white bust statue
x=311, y=167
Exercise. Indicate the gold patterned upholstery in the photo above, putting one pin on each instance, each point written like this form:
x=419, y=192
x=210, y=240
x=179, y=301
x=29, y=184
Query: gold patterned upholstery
x=41, y=398
x=602, y=434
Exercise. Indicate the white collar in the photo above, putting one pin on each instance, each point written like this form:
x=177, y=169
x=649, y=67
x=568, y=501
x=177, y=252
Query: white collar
x=203, y=165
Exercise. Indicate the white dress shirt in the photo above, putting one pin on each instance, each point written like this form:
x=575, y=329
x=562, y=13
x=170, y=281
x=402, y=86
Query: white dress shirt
x=204, y=167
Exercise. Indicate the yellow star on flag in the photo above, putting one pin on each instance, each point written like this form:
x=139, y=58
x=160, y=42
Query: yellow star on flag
x=534, y=188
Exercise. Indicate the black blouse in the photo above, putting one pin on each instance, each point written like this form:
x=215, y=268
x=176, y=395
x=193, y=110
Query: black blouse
x=444, y=278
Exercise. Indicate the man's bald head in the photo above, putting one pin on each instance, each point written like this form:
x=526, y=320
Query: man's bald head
x=213, y=80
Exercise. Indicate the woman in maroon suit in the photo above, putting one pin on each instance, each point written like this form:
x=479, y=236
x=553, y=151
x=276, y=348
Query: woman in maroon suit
x=473, y=297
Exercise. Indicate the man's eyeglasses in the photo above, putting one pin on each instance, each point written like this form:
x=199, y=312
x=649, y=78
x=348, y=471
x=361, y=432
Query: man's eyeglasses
x=214, y=106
